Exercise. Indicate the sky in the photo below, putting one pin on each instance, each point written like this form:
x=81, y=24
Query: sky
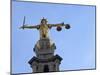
x=76, y=45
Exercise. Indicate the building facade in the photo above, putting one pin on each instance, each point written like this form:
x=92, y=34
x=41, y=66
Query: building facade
x=45, y=60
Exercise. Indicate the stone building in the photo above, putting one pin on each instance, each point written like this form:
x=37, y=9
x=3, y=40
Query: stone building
x=45, y=60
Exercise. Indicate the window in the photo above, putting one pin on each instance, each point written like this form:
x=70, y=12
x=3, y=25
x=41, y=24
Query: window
x=46, y=68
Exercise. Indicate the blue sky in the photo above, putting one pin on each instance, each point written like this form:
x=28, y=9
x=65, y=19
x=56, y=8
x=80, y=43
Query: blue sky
x=76, y=46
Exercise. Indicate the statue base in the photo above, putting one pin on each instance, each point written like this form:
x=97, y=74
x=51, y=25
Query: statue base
x=45, y=60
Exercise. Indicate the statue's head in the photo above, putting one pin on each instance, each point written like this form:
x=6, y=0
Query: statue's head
x=44, y=21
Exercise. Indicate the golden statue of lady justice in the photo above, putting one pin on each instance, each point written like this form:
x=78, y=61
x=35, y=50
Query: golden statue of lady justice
x=43, y=27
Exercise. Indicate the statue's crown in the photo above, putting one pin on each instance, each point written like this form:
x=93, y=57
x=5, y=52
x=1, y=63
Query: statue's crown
x=44, y=20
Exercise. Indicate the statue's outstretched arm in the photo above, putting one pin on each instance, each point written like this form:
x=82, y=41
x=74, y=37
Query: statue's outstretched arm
x=67, y=26
x=30, y=27
x=55, y=25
